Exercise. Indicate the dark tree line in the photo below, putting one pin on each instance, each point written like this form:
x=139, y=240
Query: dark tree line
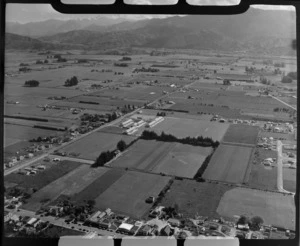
x=195, y=141
x=31, y=83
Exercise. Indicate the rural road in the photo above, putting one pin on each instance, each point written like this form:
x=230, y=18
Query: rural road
x=284, y=102
x=116, y=121
x=279, y=168
x=62, y=223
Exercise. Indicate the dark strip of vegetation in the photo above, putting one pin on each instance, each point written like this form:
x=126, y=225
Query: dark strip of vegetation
x=25, y=118
x=50, y=128
x=196, y=141
x=175, y=110
x=86, y=102
x=198, y=175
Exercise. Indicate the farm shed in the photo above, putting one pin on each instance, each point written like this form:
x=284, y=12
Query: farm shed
x=174, y=222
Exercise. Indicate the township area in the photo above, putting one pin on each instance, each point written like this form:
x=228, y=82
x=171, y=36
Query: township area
x=173, y=142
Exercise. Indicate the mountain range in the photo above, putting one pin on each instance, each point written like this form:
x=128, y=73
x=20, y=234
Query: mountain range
x=257, y=30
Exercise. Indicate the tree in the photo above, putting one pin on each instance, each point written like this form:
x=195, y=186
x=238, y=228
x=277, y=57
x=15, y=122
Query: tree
x=91, y=203
x=286, y=79
x=71, y=82
x=256, y=222
x=243, y=220
x=121, y=145
x=31, y=83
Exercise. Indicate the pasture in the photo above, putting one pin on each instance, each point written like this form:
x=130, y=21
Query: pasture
x=160, y=157
x=91, y=146
x=241, y=134
x=195, y=198
x=42, y=178
x=128, y=194
x=289, y=179
x=69, y=184
x=182, y=128
x=275, y=208
x=137, y=92
x=98, y=186
x=229, y=164
x=261, y=176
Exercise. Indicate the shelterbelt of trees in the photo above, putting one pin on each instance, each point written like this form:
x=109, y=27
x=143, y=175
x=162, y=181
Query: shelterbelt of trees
x=195, y=141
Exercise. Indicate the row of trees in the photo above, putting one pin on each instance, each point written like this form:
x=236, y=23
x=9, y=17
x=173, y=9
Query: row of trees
x=107, y=156
x=72, y=81
x=31, y=83
x=195, y=141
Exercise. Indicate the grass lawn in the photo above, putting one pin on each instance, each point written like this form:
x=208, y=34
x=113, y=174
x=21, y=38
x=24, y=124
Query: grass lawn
x=43, y=178
x=229, y=163
x=276, y=209
x=128, y=194
x=195, y=198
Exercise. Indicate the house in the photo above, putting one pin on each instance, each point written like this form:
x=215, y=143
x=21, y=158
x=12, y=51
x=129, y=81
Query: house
x=166, y=231
x=31, y=221
x=124, y=228
x=145, y=230
x=174, y=222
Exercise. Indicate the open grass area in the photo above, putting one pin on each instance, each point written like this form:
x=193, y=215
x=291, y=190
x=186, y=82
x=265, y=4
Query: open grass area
x=275, y=208
x=42, y=178
x=98, y=186
x=261, y=176
x=161, y=157
x=182, y=128
x=26, y=133
x=69, y=184
x=289, y=179
x=128, y=194
x=91, y=146
x=242, y=134
x=195, y=198
x=229, y=163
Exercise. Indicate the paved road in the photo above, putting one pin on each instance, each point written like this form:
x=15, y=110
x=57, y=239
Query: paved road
x=61, y=222
x=284, y=102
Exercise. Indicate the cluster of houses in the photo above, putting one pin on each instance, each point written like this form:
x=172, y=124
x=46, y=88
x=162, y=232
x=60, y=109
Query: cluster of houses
x=28, y=224
x=267, y=143
x=279, y=127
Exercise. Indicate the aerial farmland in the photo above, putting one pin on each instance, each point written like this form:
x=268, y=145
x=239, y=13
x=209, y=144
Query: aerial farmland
x=101, y=140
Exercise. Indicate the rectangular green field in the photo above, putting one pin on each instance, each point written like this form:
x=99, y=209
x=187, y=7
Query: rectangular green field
x=98, y=186
x=69, y=184
x=195, y=198
x=91, y=146
x=128, y=194
x=242, y=134
x=161, y=157
x=229, y=163
x=289, y=179
x=42, y=178
x=275, y=208
x=261, y=176
x=182, y=128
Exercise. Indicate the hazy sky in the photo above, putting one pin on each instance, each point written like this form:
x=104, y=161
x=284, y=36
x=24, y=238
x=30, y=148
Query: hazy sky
x=24, y=13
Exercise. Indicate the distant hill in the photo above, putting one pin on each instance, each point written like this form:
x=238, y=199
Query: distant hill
x=18, y=42
x=52, y=26
x=262, y=31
